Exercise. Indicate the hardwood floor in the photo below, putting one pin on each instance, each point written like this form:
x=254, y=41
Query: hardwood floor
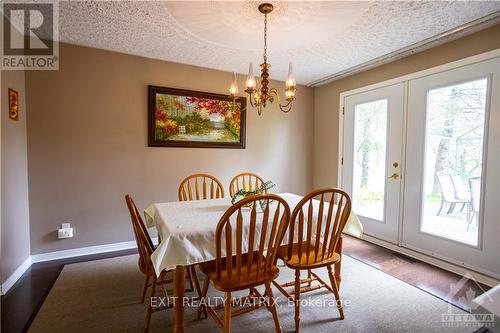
x=429, y=278
x=21, y=304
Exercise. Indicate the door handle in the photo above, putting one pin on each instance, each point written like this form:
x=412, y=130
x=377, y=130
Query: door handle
x=394, y=176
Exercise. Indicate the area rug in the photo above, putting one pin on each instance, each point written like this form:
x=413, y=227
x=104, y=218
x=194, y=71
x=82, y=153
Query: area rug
x=104, y=296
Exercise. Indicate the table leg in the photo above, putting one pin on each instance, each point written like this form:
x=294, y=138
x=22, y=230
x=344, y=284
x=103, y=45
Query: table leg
x=338, y=266
x=179, y=289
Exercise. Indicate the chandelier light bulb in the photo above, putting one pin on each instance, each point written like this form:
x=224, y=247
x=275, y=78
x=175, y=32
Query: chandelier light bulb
x=233, y=89
x=290, y=81
x=250, y=78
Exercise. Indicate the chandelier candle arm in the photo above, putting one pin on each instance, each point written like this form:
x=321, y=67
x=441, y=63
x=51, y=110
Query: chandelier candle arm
x=260, y=97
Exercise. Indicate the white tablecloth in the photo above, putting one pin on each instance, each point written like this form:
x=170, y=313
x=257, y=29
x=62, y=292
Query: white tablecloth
x=187, y=229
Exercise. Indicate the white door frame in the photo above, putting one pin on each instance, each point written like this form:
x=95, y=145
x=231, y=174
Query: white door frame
x=484, y=256
x=394, y=94
x=405, y=79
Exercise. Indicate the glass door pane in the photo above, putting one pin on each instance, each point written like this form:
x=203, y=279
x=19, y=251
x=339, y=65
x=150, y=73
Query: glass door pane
x=455, y=122
x=370, y=140
x=451, y=193
x=372, y=145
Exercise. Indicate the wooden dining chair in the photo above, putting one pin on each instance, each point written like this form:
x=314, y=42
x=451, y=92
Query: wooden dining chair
x=146, y=248
x=200, y=186
x=253, y=241
x=314, y=241
x=246, y=181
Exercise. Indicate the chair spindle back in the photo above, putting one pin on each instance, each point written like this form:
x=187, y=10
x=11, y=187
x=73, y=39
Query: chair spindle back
x=205, y=187
x=316, y=225
x=265, y=233
x=246, y=181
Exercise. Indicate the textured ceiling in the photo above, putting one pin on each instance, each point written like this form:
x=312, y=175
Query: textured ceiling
x=320, y=38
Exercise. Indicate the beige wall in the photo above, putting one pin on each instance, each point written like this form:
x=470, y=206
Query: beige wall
x=15, y=235
x=87, y=144
x=326, y=98
x=87, y=137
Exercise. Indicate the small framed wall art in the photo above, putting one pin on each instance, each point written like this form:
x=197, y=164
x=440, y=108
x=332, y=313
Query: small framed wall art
x=13, y=104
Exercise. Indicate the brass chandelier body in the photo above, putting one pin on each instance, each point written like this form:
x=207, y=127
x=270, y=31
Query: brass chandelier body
x=259, y=98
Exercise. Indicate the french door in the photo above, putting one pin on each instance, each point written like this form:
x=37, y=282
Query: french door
x=373, y=123
x=451, y=195
x=427, y=151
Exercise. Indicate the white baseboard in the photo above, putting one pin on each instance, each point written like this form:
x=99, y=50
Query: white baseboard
x=83, y=251
x=11, y=280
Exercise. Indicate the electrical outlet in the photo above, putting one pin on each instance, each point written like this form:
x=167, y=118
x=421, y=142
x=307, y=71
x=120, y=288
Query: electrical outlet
x=65, y=233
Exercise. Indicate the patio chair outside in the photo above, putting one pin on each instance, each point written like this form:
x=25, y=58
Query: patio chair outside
x=461, y=190
x=449, y=194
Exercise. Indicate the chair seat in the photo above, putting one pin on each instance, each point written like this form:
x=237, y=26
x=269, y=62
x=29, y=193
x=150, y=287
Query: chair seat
x=308, y=260
x=243, y=280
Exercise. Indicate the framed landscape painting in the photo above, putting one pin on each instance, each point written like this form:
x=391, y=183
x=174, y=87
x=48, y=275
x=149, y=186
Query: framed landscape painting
x=185, y=118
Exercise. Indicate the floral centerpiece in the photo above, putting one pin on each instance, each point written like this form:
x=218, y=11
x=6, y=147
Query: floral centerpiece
x=264, y=188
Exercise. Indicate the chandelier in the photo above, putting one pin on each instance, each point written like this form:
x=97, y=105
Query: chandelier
x=260, y=97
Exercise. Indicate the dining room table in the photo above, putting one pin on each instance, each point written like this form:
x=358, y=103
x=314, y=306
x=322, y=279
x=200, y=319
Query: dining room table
x=186, y=230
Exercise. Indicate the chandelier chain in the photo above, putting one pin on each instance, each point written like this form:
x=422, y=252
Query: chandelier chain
x=265, y=38
x=261, y=96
